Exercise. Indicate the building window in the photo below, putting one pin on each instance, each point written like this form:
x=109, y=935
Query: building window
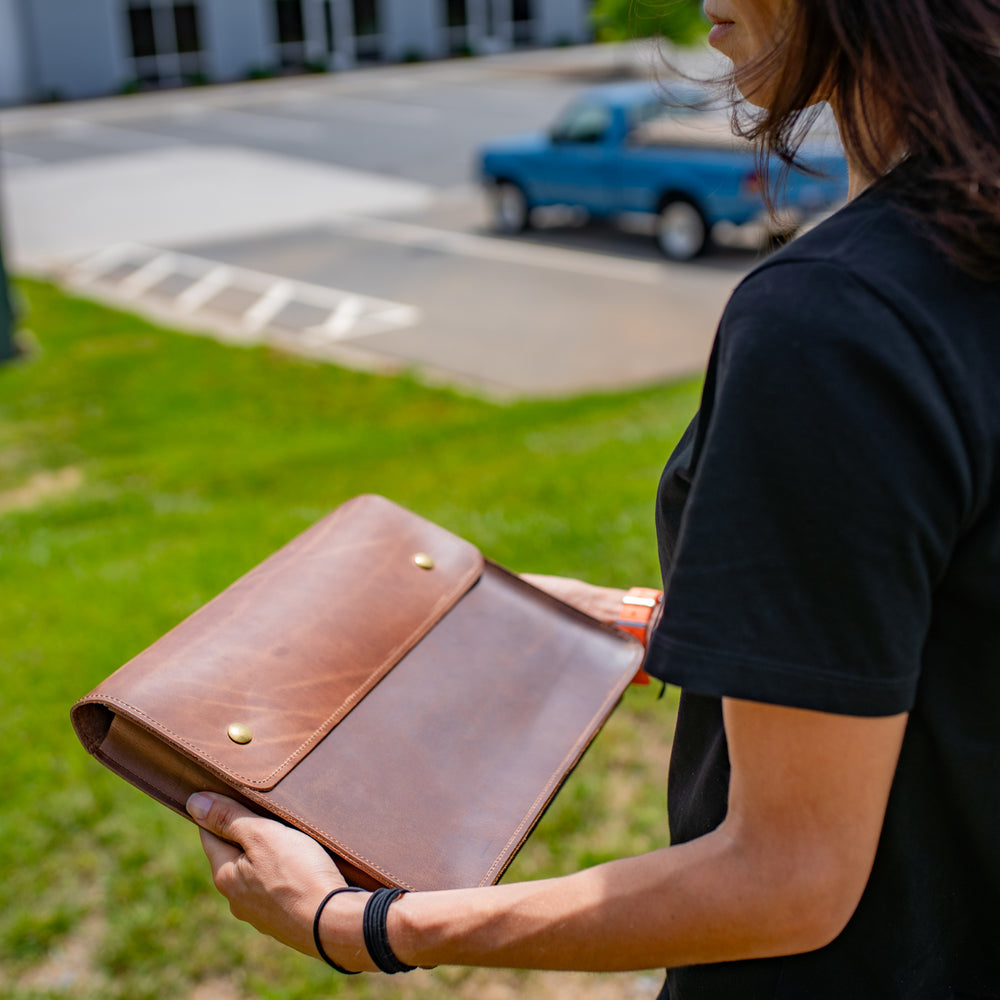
x=456, y=31
x=165, y=41
x=522, y=16
x=367, y=30
x=186, y=27
x=328, y=26
x=291, y=32
x=140, y=21
x=366, y=19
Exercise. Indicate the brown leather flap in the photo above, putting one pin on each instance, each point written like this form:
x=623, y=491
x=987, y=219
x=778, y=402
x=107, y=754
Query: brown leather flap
x=347, y=594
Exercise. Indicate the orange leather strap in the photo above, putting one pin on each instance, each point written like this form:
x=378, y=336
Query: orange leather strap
x=639, y=609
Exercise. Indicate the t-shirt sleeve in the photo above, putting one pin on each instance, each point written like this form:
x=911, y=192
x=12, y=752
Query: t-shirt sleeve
x=828, y=484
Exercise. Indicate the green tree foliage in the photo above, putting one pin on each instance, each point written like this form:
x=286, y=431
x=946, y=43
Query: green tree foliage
x=681, y=21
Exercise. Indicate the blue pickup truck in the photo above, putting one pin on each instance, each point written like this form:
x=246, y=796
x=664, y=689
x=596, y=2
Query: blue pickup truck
x=661, y=150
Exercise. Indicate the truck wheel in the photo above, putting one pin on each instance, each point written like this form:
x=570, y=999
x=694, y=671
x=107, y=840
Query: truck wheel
x=681, y=229
x=510, y=208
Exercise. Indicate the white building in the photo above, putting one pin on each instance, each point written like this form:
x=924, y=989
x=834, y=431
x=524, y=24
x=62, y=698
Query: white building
x=63, y=49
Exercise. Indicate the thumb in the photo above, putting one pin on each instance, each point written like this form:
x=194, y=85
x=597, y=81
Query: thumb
x=219, y=815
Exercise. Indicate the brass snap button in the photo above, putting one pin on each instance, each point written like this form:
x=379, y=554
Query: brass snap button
x=240, y=732
x=423, y=560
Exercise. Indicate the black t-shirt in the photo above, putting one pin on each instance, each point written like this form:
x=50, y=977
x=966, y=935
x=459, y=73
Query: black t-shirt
x=829, y=532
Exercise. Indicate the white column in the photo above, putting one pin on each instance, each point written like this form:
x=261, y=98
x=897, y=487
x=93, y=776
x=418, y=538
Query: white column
x=475, y=11
x=412, y=27
x=503, y=25
x=560, y=20
x=81, y=49
x=315, y=30
x=236, y=36
x=343, y=34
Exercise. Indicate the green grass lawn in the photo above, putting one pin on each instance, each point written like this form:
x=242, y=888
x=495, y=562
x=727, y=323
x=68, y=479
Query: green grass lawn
x=141, y=472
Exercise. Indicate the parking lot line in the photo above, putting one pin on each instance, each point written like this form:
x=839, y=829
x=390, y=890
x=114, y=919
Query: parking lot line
x=151, y=273
x=268, y=306
x=343, y=318
x=235, y=302
x=114, y=136
x=204, y=288
x=494, y=248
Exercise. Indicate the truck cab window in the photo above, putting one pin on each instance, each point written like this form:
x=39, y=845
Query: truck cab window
x=582, y=123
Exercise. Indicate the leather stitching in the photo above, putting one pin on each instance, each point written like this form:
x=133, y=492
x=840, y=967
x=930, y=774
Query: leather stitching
x=442, y=605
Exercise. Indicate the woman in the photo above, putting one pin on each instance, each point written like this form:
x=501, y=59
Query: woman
x=829, y=532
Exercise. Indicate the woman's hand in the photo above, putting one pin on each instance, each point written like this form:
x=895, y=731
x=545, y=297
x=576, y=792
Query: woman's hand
x=273, y=875
x=602, y=603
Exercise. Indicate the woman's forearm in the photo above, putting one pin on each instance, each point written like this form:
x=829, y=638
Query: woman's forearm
x=782, y=874
x=699, y=902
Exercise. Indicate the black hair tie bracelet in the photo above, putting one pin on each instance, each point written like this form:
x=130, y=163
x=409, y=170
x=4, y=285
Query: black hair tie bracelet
x=376, y=931
x=319, y=945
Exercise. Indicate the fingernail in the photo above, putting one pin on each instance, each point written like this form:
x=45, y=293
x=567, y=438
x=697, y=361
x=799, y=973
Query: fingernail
x=199, y=804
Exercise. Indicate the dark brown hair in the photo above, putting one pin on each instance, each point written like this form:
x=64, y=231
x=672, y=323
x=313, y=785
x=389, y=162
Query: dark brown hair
x=928, y=68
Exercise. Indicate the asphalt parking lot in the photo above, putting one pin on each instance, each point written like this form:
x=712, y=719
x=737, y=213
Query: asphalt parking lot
x=338, y=216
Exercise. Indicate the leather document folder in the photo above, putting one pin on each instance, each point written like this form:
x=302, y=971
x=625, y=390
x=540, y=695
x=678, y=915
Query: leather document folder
x=378, y=684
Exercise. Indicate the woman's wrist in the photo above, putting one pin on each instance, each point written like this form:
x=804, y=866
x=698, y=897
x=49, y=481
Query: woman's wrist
x=376, y=932
x=422, y=925
x=341, y=934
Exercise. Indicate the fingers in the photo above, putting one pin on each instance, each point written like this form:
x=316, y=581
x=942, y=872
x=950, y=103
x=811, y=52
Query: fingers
x=219, y=819
x=273, y=875
x=602, y=603
x=219, y=852
x=225, y=827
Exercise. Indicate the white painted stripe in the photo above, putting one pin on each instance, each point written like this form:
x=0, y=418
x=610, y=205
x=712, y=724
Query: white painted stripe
x=506, y=250
x=257, y=126
x=394, y=316
x=381, y=112
x=268, y=306
x=350, y=315
x=147, y=275
x=105, y=260
x=206, y=287
x=344, y=317
x=80, y=130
